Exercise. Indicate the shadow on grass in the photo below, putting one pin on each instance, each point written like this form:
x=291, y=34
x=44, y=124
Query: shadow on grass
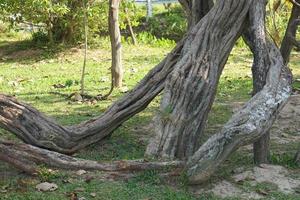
x=27, y=52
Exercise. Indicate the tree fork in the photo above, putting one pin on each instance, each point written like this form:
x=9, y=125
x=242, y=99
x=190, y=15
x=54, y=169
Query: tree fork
x=251, y=122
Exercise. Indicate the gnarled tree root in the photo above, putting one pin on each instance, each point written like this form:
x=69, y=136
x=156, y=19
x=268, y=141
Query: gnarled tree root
x=27, y=158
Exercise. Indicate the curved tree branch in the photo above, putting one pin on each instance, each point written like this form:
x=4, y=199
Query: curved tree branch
x=35, y=128
x=251, y=122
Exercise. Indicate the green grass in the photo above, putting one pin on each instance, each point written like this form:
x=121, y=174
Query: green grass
x=29, y=73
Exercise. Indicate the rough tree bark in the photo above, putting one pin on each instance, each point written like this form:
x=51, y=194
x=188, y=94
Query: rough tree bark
x=255, y=118
x=255, y=38
x=197, y=62
x=28, y=158
x=289, y=40
x=35, y=128
x=117, y=70
x=190, y=89
x=195, y=10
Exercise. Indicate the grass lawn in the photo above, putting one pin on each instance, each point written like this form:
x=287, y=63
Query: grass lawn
x=31, y=73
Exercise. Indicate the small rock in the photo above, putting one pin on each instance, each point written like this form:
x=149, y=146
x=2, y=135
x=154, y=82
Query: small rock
x=247, y=175
x=44, y=187
x=77, y=97
x=238, y=170
x=81, y=172
x=93, y=194
x=124, y=89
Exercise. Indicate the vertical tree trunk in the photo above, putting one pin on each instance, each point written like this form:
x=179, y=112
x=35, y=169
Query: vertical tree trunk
x=255, y=37
x=116, y=46
x=49, y=30
x=287, y=42
x=149, y=9
x=85, y=22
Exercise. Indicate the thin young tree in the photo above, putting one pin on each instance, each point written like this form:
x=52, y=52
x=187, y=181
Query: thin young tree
x=85, y=22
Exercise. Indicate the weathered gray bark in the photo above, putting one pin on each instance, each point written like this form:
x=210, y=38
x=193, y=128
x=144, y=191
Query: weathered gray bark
x=289, y=40
x=35, y=128
x=193, y=70
x=250, y=123
x=27, y=158
x=297, y=157
x=190, y=89
x=117, y=70
x=255, y=37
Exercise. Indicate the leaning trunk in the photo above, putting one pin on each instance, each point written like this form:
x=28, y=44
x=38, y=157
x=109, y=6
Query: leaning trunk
x=254, y=119
x=288, y=41
x=190, y=89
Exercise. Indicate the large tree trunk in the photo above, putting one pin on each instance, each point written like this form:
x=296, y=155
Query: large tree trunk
x=255, y=37
x=255, y=118
x=190, y=89
x=116, y=46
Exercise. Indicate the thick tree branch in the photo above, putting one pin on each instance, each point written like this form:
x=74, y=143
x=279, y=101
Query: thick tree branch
x=35, y=128
x=251, y=122
x=27, y=158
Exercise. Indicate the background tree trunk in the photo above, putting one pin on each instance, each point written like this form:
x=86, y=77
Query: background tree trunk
x=85, y=22
x=255, y=38
x=116, y=46
x=287, y=42
x=129, y=26
x=195, y=10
